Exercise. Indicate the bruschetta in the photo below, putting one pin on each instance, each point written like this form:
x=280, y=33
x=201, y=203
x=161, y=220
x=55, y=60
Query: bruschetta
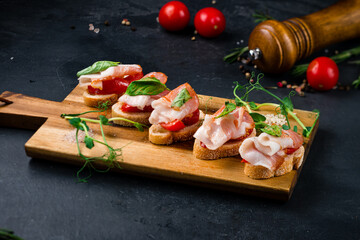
x=175, y=117
x=222, y=133
x=267, y=156
x=107, y=84
x=135, y=104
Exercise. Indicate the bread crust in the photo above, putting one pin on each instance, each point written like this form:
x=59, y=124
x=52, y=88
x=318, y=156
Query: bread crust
x=292, y=161
x=95, y=100
x=140, y=117
x=161, y=136
x=229, y=149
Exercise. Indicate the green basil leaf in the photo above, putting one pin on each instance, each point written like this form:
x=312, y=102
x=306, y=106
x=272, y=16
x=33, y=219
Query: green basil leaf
x=180, y=99
x=273, y=130
x=89, y=142
x=257, y=117
x=146, y=86
x=97, y=67
x=229, y=107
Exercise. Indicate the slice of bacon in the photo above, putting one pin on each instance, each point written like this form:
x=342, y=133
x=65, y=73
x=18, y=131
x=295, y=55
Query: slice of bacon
x=164, y=113
x=158, y=75
x=269, y=151
x=116, y=72
x=215, y=132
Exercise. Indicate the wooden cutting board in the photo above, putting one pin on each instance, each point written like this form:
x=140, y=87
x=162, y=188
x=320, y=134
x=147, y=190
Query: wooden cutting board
x=175, y=162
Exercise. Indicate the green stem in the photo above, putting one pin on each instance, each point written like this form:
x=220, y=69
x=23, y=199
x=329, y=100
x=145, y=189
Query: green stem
x=297, y=120
x=243, y=102
x=127, y=120
x=265, y=104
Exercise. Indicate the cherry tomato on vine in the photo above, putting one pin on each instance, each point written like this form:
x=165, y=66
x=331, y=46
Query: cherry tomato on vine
x=322, y=73
x=174, y=16
x=209, y=22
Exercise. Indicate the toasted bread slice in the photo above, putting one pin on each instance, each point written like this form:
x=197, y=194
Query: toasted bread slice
x=140, y=117
x=161, y=136
x=292, y=161
x=95, y=100
x=229, y=149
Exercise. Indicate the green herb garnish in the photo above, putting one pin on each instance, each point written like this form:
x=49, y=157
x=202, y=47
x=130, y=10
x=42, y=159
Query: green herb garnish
x=8, y=235
x=109, y=158
x=356, y=83
x=97, y=67
x=236, y=53
x=102, y=106
x=261, y=17
x=146, y=86
x=229, y=107
x=300, y=69
x=273, y=130
x=180, y=99
x=286, y=106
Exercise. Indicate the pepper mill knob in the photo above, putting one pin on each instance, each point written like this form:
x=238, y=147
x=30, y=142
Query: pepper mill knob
x=282, y=44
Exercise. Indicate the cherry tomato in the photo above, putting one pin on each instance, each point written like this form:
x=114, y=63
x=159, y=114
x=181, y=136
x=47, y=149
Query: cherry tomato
x=173, y=126
x=209, y=22
x=191, y=118
x=174, y=16
x=322, y=73
x=127, y=108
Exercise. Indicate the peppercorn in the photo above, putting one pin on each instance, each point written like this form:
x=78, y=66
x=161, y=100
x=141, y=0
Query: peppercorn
x=279, y=84
x=247, y=75
x=284, y=82
x=241, y=67
x=107, y=23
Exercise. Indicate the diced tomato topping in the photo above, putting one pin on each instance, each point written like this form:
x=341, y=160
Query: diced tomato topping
x=191, y=118
x=177, y=125
x=244, y=161
x=127, y=108
x=117, y=86
x=290, y=150
x=173, y=126
x=248, y=132
x=202, y=145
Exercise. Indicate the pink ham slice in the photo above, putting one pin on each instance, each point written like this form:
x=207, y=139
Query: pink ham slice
x=269, y=151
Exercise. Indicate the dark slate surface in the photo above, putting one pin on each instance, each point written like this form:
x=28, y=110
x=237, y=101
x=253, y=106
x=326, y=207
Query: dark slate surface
x=40, y=55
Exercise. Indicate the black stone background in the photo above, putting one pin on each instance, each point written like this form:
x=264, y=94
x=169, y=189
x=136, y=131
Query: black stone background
x=41, y=199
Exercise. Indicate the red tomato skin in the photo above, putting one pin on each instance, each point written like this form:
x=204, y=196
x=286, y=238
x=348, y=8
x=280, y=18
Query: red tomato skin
x=174, y=16
x=127, y=108
x=209, y=22
x=117, y=86
x=322, y=73
x=191, y=118
x=173, y=126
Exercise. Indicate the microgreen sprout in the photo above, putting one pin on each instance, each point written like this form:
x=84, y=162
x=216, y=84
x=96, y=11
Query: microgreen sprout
x=286, y=106
x=235, y=54
x=110, y=158
x=261, y=17
x=8, y=235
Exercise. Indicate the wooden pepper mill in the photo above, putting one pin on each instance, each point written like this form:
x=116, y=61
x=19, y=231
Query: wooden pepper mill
x=276, y=46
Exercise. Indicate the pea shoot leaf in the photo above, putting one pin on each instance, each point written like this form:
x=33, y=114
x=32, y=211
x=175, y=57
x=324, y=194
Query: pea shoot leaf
x=89, y=142
x=180, y=99
x=285, y=127
x=97, y=67
x=257, y=117
x=77, y=123
x=229, y=107
x=104, y=120
x=252, y=106
x=146, y=86
x=139, y=126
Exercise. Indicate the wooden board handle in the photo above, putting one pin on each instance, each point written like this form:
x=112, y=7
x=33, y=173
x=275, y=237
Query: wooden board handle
x=284, y=43
x=27, y=112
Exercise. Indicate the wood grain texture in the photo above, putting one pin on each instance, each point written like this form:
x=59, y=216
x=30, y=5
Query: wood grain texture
x=284, y=43
x=175, y=162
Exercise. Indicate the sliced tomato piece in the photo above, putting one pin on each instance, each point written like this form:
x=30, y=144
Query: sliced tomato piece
x=244, y=161
x=290, y=150
x=191, y=118
x=117, y=86
x=202, y=145
x=127, y=108
x=173, y=126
